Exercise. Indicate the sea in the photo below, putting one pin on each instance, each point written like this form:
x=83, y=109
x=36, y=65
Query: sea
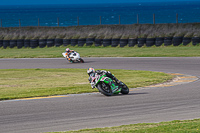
x=95, y=14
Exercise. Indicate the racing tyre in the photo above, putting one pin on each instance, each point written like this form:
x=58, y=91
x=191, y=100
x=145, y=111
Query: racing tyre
x=6, y=43
x=159, y=41
x=1, y=43
x=20, y=43
x=104, y=89
x=81, y=60
x=125, y=89
x=13, y=43
x=132, y=42
x=26, y=43
x=168, y=41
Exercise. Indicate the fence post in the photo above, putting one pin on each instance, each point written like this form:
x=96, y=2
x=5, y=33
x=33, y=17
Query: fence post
x=78, y=21
x=19, y=23
x=100, y=20
x=119, y=20
x=153, y=18
x=177, y=18
x=58, y=21
x=38, y=22
x=137, y=19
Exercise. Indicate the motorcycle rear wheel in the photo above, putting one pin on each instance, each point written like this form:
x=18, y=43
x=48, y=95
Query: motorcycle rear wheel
x=104, y=89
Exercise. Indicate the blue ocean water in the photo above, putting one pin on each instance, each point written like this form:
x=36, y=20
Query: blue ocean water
x=165, y=12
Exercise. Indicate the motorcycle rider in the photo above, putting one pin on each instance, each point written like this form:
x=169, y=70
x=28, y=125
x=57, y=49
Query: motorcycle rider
x=91, y=72
x=68, y=52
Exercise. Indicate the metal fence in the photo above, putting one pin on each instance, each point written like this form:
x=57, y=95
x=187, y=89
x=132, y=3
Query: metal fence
x=58, y=22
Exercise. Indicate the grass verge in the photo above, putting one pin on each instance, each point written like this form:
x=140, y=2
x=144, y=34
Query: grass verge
x=177, y=126
x=23, y=83
x=55, y=52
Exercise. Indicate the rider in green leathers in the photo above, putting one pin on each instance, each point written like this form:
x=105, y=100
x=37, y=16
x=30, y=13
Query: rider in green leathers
x=91, y=71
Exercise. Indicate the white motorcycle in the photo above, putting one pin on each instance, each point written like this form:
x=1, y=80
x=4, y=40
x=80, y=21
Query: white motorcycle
x=73, y=57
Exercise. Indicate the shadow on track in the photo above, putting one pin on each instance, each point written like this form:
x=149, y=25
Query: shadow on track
x=120, y=95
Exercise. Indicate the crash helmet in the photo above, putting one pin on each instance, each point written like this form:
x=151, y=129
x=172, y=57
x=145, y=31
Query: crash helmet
x=67, y=50
x=90, y=70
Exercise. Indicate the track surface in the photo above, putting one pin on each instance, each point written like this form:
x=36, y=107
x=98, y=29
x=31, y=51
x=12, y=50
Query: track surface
x=95, y=110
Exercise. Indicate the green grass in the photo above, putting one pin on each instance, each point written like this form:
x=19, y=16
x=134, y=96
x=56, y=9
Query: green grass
x=55, y=52
x=177, y=126
x=23, y=83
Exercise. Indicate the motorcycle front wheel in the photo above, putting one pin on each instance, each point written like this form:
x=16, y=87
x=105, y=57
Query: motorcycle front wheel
x=104, y=89
x=81, y=60
x=125, y=89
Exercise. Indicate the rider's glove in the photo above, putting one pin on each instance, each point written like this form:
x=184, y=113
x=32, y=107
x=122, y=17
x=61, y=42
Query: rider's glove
x=118, y=81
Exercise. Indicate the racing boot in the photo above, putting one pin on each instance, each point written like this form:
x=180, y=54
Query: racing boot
x=69, y=59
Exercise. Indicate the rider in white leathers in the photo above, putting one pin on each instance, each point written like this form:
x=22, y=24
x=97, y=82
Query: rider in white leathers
x=68, y=52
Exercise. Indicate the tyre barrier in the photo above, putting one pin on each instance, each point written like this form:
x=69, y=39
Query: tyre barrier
x=42, y=43
x=66, y=42
x=186, y=40
x=81, y=42
x=115, y=42
x=177, y=41
x=13, y=43
x=132, y=42
x=159, y=41
x=141, y=42
x=195, y=40
x=168, y=41
x=150, y=42
x=74, y=42
x=6, y=43
x=58, y=42
x=27, y=43
x=34, y=43
x=106, y=42
x=98, y=42
x=1, y=43
x=89, y=41
x=50, y=42
x=123, y=42
x=20, y=43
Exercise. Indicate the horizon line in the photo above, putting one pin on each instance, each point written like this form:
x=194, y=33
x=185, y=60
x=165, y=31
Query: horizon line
x=100, y=3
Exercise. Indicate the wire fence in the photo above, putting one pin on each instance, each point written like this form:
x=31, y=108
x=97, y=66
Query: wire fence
x=75, y=21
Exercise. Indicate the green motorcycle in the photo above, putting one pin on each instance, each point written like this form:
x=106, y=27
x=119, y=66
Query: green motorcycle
x=107, y=86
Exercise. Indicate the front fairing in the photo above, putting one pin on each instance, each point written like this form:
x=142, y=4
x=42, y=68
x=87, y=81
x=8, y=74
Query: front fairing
x=75, y=56
x=107, y=80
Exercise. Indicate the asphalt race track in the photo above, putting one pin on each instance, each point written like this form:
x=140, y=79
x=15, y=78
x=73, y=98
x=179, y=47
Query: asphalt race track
x=74, y=112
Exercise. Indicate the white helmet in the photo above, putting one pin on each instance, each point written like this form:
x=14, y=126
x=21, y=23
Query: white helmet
x=67, y=50
x=90, y=70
